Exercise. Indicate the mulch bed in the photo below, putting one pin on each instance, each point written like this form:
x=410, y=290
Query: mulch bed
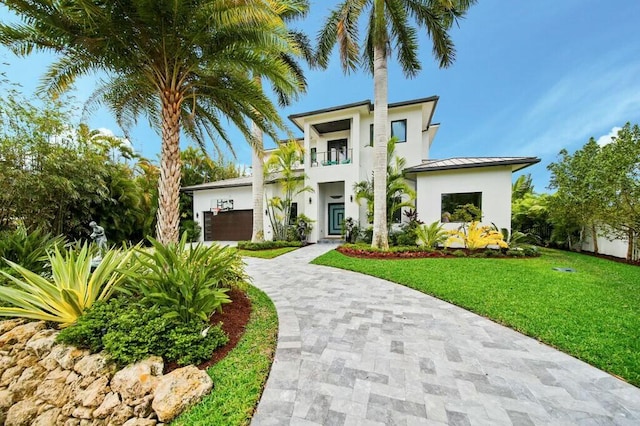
x=234, y=318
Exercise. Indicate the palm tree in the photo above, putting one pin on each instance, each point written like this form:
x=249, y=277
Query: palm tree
x=281, y=167
x=388, y=22
x=183, y=63
x=288, y=10
x=398, y=193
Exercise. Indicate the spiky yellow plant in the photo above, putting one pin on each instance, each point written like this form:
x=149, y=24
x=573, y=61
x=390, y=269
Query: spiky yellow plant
x=72, y=289
x=476, y=237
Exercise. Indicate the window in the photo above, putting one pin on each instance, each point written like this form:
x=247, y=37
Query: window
x=396, y=216
x=399, y=130
x=314, y=155
x=461, y=207
x=370, y=135
x=293, y=214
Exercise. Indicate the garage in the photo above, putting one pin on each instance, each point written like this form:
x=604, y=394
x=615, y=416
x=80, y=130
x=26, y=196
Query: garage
x=230, y=225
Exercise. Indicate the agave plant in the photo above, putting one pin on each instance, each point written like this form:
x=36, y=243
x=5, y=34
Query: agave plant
x=192, y=282
x=431, y=235
x=476, y=237
x=72, y=288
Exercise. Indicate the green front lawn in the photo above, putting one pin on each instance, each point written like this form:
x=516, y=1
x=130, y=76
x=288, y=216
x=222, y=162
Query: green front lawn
x=238, y=379
x=267, y=253
x=592, y=314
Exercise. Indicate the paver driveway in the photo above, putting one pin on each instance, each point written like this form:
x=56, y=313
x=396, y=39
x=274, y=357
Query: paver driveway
x=357, y=350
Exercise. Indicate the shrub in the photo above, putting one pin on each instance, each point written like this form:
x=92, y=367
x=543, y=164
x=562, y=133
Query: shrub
x=190, y=282
x=459, y=253
x=130, y=331
x=71, y=289
x=366, y=235
x=192, y=229
x=267, y=245
x=431, y=236
x=27, y=249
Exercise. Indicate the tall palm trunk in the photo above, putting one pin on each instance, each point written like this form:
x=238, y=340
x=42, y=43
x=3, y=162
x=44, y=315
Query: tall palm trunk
x=380, y=81
x=257, y=187
x=167, y=228
x=257, y=167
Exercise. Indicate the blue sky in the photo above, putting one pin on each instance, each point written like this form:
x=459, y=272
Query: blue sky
x=530, y=78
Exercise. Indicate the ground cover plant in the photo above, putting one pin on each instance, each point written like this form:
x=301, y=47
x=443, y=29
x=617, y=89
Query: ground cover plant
x=592, y=314
x=240, y=377
x=267, y=245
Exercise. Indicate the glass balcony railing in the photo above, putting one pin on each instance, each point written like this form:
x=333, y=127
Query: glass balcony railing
x=332, y=158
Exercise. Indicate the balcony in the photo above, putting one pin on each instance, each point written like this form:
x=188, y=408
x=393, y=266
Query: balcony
x=331, y=158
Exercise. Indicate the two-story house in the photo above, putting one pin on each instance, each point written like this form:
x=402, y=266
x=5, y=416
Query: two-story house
x=338, y=153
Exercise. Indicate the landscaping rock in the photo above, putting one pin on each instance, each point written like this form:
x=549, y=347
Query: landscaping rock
x=94, y=365
x=8, y=325
x=93, y=395
x=43, y=383
x=56, y=393
x=47, y=418
x=178, y=390
x=22, y=413
x=21, y=333
x=110, y=402
x=120, y=415
x=42, y=342
x=137, y=380
x=140, y=422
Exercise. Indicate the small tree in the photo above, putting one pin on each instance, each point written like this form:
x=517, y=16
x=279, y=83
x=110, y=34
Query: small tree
x=281, y=167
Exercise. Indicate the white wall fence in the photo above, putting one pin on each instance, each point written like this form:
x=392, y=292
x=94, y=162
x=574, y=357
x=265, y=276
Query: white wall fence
x=609, y=245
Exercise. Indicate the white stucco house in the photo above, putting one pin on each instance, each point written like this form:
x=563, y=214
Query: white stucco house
x=338, y=153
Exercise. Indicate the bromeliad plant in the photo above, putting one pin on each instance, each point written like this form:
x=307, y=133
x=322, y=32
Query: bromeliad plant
x=28, y=249
x=190, y=282
x=72, y=288
x=475, y=237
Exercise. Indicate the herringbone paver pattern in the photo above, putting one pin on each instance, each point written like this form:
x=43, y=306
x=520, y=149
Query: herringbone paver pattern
x=357, y=350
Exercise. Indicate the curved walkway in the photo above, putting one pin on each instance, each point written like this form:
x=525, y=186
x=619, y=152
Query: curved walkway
x=358, y=350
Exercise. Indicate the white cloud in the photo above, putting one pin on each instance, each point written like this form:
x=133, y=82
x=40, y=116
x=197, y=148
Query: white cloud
x=608, y=138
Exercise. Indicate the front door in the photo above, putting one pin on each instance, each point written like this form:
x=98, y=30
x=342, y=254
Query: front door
x=336, y=217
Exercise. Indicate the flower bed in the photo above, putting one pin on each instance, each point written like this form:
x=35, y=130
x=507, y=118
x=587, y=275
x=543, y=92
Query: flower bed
x=409, y=252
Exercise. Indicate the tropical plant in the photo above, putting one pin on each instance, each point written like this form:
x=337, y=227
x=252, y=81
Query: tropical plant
x=184, y=64
x=72, y=289
x=28, y=249
x=288, y=10
x=432, y=235
x=189, y=281
x=281, y=167
x=399, y=193
x=388, y=25
x=131, y=331
x=474, y=236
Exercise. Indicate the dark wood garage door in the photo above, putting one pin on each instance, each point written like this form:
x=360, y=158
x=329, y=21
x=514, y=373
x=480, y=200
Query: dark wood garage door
x=232, y=225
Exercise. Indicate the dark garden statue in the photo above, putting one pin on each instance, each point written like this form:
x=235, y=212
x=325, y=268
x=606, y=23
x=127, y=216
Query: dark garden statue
x=349, y=230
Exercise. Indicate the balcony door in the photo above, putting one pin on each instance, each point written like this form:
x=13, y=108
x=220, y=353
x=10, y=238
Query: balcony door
x=337, y=150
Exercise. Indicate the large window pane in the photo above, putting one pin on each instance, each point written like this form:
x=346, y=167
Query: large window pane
x=461, y=207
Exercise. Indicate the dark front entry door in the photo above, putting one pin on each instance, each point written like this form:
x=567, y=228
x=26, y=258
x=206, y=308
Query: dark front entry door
x=336, y=217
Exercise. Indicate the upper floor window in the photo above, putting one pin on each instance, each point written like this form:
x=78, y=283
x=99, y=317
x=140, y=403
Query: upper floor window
x=370, y=135
x=399, y=130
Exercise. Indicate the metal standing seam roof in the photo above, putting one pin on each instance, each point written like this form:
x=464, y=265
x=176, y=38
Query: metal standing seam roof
x=518, y=163
x=227, y=183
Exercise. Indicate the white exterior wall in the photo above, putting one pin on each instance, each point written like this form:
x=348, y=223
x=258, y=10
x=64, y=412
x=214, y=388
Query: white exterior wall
x=493, y=182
